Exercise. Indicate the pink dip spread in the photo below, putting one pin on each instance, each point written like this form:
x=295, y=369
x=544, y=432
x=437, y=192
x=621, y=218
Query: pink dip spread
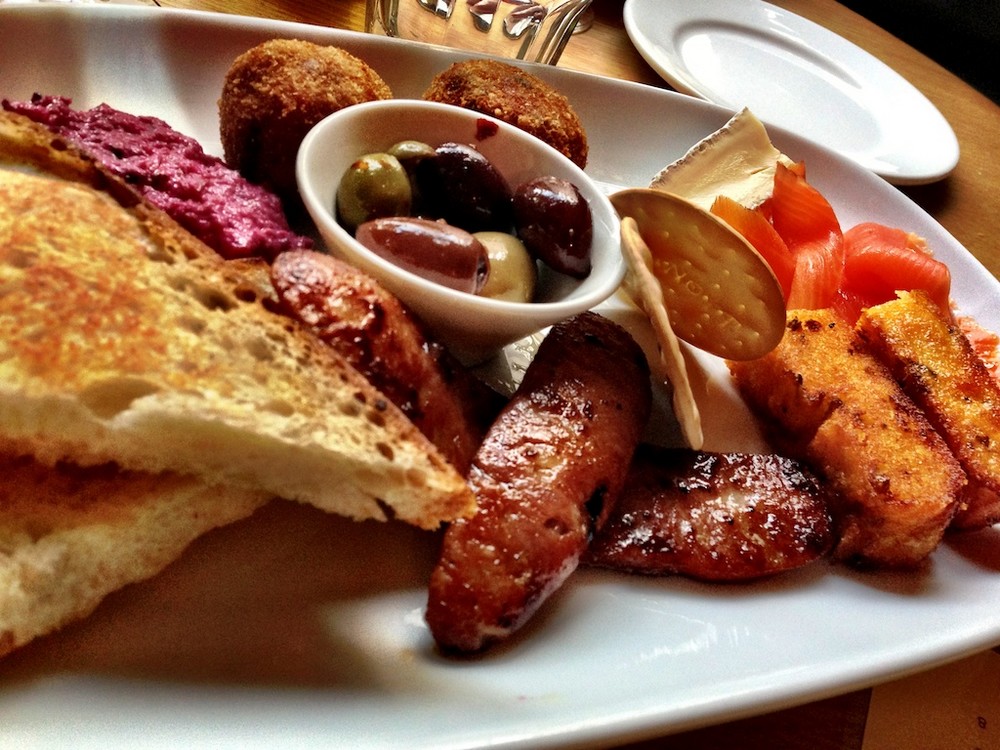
x=215, y=203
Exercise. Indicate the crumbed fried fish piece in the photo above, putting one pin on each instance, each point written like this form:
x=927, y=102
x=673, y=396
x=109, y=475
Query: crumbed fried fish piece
x=937, y=367
x=714, y=516
x=830, y=402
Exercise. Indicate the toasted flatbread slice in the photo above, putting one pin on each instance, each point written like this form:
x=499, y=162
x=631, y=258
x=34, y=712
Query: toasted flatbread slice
x=70, y=536
x=125, y=339
x=937, y=367
x=831, y=403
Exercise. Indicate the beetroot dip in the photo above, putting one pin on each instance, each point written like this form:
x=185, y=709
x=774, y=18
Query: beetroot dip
x=200, y=192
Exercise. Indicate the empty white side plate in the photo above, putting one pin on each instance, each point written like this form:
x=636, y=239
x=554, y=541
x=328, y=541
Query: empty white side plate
x=794, y=73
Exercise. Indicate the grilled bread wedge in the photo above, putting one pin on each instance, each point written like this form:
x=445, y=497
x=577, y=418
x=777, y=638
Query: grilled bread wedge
x=936, y=366
x=125, y=339
x=70, y=536
x=83, y=378
x=830, y=402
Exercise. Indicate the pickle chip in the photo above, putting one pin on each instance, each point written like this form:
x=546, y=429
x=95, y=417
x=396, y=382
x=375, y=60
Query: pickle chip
x=719, y=294
x=643, y=287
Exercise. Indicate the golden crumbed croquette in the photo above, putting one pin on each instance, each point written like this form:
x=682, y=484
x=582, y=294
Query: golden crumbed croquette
x=515, y=96
x=272, y=96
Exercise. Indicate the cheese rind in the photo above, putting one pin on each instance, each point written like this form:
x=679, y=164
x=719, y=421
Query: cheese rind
x=737, y=160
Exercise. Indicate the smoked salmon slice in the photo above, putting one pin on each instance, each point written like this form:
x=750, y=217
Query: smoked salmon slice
x=754, y=227
x=880, y=260
x=806, y=221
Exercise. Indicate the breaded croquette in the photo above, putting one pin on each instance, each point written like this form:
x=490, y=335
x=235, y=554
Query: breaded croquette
x=936, y=366
x=274, y=93
x=831, y=403
x=515, y=96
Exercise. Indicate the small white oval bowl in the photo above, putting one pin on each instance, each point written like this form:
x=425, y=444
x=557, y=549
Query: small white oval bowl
x=473, y=327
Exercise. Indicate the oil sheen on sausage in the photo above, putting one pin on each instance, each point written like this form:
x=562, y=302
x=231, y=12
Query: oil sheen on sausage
x=547, y=470
x=714, y=516
x=352, y=312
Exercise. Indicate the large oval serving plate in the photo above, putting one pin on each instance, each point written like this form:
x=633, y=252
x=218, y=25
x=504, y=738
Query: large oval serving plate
x=795, y=73
x=298, y=629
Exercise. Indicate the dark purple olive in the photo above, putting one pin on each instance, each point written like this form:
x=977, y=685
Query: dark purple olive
x=432, y=249
x=462, y=186
x=553, y=221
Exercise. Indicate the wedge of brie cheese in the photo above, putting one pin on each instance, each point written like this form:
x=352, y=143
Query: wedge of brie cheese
x=737, y=160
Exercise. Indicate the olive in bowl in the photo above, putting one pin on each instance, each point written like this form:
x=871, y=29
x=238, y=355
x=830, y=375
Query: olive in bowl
x=474, y=326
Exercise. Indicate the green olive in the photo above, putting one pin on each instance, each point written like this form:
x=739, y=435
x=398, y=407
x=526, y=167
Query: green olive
x=513, y=273
x=411, y=152
x=374, y=186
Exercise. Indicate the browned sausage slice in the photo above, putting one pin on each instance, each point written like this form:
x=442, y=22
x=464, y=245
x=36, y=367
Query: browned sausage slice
x=352, y=312
x=543, y=476
x=714, y=516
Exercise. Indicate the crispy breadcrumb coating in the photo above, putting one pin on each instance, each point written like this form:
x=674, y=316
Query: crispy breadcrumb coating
x=937, y=367
x=515, y=96
x=829, y=401
x=272, y=96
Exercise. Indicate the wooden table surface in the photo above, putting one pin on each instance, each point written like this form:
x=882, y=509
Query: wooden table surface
x=964, y=203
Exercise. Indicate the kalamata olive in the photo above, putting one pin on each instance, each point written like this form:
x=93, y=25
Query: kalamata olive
x=437, y=251
x=553, y=220
x=462, y=186
x=375, y=185
x=513, y=273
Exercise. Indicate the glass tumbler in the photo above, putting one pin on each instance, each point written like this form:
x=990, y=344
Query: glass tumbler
x=531, y=30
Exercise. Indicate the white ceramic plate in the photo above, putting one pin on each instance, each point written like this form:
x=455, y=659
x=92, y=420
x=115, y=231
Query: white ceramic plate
x=797, y=74
x=298, y=629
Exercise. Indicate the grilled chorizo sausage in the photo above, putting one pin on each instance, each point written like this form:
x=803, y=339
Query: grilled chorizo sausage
x=544, y=476
x=352, y=312
x=714, y=516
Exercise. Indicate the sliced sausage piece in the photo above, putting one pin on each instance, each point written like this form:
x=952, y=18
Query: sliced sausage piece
x=352, y=312
x=714, y=516
x=544, y=477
